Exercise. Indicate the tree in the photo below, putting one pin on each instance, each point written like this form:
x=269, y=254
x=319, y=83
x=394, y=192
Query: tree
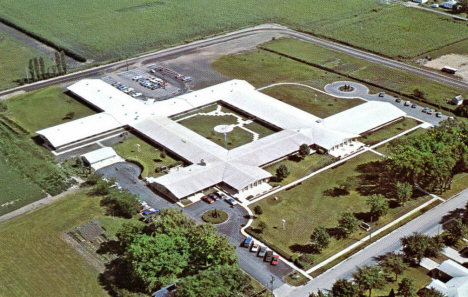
x=344, y=288
x=258, y=210
x=378, y=204
x=42, y=66
x=406, y=288
x=320, y=237
x=368, y=277
x=221, y=281
x=348, y=223
x=417, y=246
x=261, y=226
x=457, y=230
x=430, y=293
x=419, y=93
x=36, y=69
x=282, y=172
x=63, y=61
x=404, y=191
x=121, y=203
x=393, y=263
x=162, y=155
x=58, y=63
x=70, y=115
x=304, y=150
x=31, y=69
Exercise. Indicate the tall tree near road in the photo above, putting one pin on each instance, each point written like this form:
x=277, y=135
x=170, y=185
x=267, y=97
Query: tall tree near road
x=31, y=70
x=369, y=277
x=36, y=68
x=417, y=246
x=404, y=191
x=42, y=66
x=393, y=263
x=64, y=62
x=320, y=237
x=348, y=223
x=378, y=204
x=58, y=63
x=457, y=230
x=344, y=288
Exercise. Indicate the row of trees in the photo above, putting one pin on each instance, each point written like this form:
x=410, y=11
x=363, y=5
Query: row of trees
x=174, y=248
x=432, y=159
x=38, y=71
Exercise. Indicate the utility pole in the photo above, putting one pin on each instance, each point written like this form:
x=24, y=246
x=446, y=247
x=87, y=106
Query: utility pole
x=272, y=280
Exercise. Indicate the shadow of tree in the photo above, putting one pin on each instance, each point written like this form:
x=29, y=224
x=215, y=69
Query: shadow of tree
x=336, y=192
x=375, y=178
x=308, y=248
x=336, y=232
x=453, y=214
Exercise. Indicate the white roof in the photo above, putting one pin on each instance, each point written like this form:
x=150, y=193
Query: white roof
x=363, y=117
x=99, y=155
x=457, y=286
x=80, y=129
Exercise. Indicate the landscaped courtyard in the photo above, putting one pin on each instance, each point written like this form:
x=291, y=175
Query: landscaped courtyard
x=241, y=130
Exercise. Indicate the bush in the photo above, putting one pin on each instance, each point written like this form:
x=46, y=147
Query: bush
x=258, y=210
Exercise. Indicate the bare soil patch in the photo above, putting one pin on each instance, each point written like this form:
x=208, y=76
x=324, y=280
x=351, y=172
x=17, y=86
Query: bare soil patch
x=459, y=62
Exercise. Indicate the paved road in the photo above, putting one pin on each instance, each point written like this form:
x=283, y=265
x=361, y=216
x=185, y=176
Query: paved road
x=182, y=49
x=127, y=176
x=426, y=223
x=361, y=91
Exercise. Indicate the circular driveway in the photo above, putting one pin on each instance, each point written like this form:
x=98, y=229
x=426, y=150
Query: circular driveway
x=360, y=90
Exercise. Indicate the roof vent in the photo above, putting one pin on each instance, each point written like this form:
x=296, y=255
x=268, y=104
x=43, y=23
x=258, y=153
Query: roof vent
x=319, y=121
x=202, y=162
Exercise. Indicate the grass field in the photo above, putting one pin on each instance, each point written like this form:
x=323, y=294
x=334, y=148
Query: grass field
x=149, y=156
x=15, y=191
x=122, y=27
x=204, y=125
x=36, y=261
x=419, y=275
x=352, y=67
x=300, y=168
x=389, y=131
x=308, y=205
x=385, y=148
x=397, y=31
x=45, y=108
x=304, y=98
x=14, y=57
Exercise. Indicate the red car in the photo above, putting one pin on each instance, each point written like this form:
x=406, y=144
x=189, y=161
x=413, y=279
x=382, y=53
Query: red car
x=275, y=260
x=207, y=199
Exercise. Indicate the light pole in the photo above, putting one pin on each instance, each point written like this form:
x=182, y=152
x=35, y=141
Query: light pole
x=138, y=147
x=283, y=221
x=315, y=95
x=272, y=280
x=225, y=139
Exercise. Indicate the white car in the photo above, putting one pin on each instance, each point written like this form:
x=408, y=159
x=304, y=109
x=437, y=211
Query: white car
x=254, y=248
x=230, y=200
x=137, y=94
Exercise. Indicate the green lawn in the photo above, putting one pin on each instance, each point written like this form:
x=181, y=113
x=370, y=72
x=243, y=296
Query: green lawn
x=16, y=191
x=36, y=261
x=304, y=98
x=149, y=156
x=204, y=125
x=352, y=67
x=419, y=275
x=307, y=206
x=14, y=57
x=300, y=168
x=396, y=31
x=389, y=131
x=45, y=108
x=385, y=148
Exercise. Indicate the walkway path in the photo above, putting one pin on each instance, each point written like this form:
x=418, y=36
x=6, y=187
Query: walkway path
x=34, y=205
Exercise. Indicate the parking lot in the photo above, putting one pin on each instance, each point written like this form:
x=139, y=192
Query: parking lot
x=150, y=82
x=126, y=175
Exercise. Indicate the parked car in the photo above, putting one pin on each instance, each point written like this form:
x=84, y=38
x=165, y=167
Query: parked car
x=430, y=111
x=407, y=103
x=149, y=212
x=230, y=200
x=207, y=199
x=398, y=100
x=451, y=118
x=137, y=94
x=268, y=256
x=247, y=242
x=254, y=248
x=435, y=5
x=262, y=251
x=438, y=114
x=275, y=260
x=213, y=196
x=414, y=105
x=425, y=110
x=382, y=94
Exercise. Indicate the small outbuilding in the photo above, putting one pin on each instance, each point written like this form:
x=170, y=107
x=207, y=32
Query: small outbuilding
x=101, y=158
x=420, y=1
x=457, y=100
x=449, y=4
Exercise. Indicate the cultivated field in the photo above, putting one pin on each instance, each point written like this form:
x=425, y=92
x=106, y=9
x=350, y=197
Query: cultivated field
x=44, y=108
x=397, y=31
x=36, y=261
x=102, y=30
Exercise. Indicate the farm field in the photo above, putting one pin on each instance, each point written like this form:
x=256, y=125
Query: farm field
x=16, y=191
x=14, y=57
x=38, y=262
x=408, y=37
x=316, y=202
x=120, y=28
x=149, y=157
x=45, y=108
x=352, y=67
